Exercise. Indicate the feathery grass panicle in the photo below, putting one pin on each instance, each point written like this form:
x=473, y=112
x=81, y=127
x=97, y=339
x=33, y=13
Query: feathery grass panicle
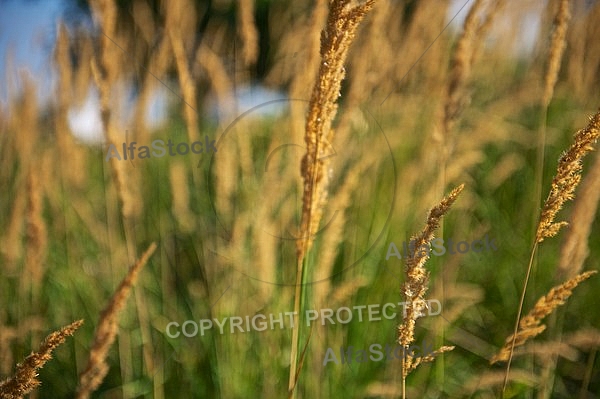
x=530, y=325
x=416, y=284
x=567, y=178
x=558, y=43
x=417, y=277
x=106, y=330
x=413, y=363
x=342, y=22
x=341, y=27
x=25, y=378
x=575, y=247
x=565, y=182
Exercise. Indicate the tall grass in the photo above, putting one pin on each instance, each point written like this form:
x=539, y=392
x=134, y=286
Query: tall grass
x=295, y=211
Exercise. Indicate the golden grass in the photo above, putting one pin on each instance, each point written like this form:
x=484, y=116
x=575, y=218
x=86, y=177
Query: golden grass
x=563, y=187
x=530, y=326
x=106, y=331
x=567, y=178
x=393, y=37
x=342, y=22
x=575, y=248
x=416, y=285
x=25, y=378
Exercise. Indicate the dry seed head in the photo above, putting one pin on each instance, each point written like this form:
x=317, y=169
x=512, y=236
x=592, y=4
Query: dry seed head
x=25, y=378
x=411, y=363
x=567, y=178
x=575, y=248
x=417, y=278
x=530, y=325
x=106, y=331
x=341, y=27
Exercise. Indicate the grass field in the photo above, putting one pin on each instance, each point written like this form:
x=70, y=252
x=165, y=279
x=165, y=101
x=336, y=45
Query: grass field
x=238, y=272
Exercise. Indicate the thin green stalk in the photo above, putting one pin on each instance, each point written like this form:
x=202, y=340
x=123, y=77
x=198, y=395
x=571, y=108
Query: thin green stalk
x=519, y=312
x=300, y=299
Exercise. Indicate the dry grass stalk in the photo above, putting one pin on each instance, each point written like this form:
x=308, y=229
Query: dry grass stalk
x=105, y=71
x=530, y=325
x=558, y=43
x=342, y=22
x=564, y=184
x=591, y=59
x=7, y=336
x=12, y=246
x=334, y=234
x=181, y=19
x=106, y=330
x=476, y=25
x=297, y=58
x=584, y=339
x=71, y=169
x=160, y=60
x=416, y=284
x=411, y=363
x=25, y=378
x=37, y=235
x=417, y=278
x=305, y=69
x=567, y=178
x=209, y=61
x=370, y=58
x=180, y=207
x=574, y=249
x=341, y=27
x=460, y=69
x=248, y=32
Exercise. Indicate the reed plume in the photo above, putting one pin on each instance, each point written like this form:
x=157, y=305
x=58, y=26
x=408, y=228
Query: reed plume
x=341, y=27
x=564, y=183
x=106, y=331
x=25, y=378
x=530, y=325
x=342, y=22
x=567, y=178
x=416, y=284
x=575, y=249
